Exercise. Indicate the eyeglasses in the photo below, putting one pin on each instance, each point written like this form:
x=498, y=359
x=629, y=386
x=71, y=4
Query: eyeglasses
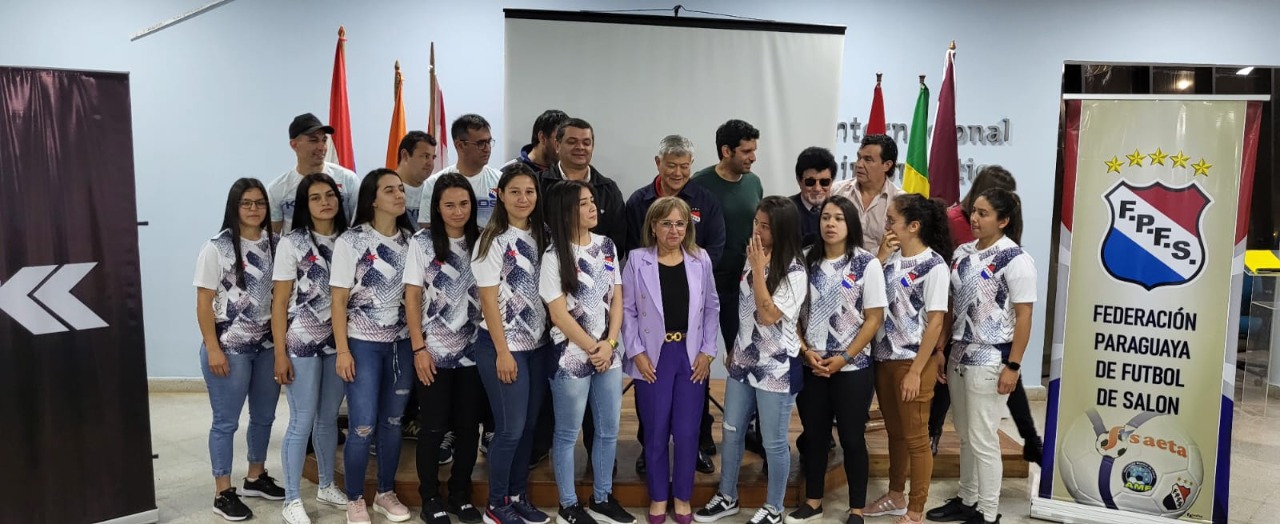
x=482, y=144
x=667, y=224
x=251, y=204
x=809, y=182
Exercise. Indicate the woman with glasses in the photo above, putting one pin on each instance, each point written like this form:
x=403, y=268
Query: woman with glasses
x=233, y=308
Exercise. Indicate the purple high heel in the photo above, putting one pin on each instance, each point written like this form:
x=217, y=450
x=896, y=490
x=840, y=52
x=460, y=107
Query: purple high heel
x=687, y=518
x=657, y=519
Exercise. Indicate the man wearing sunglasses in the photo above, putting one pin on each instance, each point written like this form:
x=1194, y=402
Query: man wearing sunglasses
x=474, y=143
x=815, y=169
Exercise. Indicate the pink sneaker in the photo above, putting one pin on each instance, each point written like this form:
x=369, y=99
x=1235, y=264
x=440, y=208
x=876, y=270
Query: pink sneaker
x=389, y=506
x=357, y=513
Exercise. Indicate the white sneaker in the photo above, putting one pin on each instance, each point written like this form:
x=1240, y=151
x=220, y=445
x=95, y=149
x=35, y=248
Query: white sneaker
x=294, y=513
x=389, y=506
x=332, y=495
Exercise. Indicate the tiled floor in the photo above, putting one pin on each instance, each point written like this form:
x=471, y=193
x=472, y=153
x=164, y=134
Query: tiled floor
x=184, y=491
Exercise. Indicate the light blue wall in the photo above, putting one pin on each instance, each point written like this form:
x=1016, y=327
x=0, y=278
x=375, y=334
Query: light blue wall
x=213, y=96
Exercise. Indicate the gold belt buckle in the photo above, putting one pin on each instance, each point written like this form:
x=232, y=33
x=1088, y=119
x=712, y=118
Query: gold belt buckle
x=675, y=336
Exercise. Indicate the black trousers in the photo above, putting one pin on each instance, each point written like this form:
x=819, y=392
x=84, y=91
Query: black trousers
x=457, y=403
x=847, y=397
x=1019, y=409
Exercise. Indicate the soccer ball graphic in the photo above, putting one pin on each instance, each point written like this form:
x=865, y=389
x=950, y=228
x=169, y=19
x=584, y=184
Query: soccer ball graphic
x=1146, y=464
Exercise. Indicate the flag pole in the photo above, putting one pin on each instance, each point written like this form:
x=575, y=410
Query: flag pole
x=921, y=79
x=431, y=121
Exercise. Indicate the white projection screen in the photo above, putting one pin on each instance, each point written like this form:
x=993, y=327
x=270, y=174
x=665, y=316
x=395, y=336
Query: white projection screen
x=638, y=78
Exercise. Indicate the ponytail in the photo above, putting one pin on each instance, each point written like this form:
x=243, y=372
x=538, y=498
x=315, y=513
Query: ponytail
x=932, y=216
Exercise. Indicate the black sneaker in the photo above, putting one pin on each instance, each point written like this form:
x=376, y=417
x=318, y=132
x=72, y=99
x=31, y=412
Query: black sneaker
x=537, y=459
x=264, y=487
x=433, y=512
x=766, y=516
x=1033, y=450
x=228, y=505
x=528, y=512
x=485, y=439
x=502, y=515
x=804, y=513
x=854, y=519
x=979, y=519
x=933, y=444
x=574, y=514
x=466, y=513
x=955, y=510
x=704, y=464
x=610, y=511
x=642, y=468
x=446, y=449
x=717, y=508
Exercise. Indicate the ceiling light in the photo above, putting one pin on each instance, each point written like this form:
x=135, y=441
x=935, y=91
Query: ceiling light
x=1244, y=71
x=1183, y=84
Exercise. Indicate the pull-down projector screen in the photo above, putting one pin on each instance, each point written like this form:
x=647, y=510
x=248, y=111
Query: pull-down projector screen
x=637, y=79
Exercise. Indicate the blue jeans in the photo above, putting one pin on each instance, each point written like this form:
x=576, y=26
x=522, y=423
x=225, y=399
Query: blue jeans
x=314, y=398
x=569, y=397
x=515, y=414
x=252, y=377
x=740, y=402
x=375, y=404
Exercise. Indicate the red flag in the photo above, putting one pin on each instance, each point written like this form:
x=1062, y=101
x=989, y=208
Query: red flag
x=397, y=123
x=436, y=125
x=944, y=155
x=875, y=125
x=339, y=111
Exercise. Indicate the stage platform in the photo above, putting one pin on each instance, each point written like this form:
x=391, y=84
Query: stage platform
x=630, y=490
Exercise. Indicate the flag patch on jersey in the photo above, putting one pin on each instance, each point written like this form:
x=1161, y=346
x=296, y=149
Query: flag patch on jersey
x=908, y=279
x=988, y=272
x=608, y=263
x=849, y=281
x=696, y=214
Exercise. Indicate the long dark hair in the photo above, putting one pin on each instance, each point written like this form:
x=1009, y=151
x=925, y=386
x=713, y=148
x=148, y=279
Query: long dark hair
x=499, y=221
x=852, y=223
x=932, y=216
x=231, y=220
x=439, y=234
x=562, y=202
x=784, y=227
x=990, y=176
x=302, y=207
x=1007, y=205
x=369, y=192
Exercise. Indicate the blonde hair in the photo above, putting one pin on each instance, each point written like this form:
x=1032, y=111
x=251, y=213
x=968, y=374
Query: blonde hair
x=658, y=211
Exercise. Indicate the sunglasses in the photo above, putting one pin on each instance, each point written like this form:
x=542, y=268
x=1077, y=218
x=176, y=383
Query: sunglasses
x=809, y=182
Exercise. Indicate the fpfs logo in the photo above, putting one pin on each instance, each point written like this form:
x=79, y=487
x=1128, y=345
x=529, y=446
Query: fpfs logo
x=1155, y=239
x=34, y=295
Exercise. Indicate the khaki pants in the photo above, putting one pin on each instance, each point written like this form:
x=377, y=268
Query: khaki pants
x=907, y=424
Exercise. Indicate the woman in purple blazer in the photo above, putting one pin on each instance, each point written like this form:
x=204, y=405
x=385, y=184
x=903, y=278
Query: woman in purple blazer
x=670, y=321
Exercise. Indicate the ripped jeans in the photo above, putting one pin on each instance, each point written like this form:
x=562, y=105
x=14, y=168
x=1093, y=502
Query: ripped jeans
x=375, y=403
x=740, y=402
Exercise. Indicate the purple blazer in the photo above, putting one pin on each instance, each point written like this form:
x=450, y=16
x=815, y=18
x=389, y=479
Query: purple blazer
x=643, y=328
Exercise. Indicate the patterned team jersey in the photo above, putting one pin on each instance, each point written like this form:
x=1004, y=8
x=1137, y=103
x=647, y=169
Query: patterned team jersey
x=985, y=285
x=512, y=265
x=914, y=286
x=242, y=315
x=767, y=357
x=306, y=264
x=840, y=291
x=284, y=189
x=450, y=303
x=372, y=267
x=598, y=274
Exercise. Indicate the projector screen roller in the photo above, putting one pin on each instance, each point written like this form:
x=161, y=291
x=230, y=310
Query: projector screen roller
x=637, y=79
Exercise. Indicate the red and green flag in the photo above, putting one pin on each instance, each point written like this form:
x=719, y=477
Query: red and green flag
x=915, y=172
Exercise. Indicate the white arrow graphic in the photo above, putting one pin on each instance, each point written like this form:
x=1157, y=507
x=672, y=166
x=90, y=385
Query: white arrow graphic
x=16, y=299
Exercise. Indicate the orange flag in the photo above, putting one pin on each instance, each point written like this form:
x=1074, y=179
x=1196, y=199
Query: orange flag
x=398, y=129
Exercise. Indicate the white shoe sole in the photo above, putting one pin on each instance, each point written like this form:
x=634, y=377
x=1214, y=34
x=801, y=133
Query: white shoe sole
x=256, y=493
x=393, y=518
x=717, y=516
x=601, y=517
x=892, y=512
x=331, y=502
x=790, y=520
x=230, y=518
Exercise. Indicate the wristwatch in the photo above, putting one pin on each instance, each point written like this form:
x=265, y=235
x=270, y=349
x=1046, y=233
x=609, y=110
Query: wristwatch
x=1013, y=365
x=613, y=344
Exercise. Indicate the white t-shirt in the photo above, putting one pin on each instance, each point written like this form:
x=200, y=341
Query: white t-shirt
x=765, y=357
x=840, y=291
x=450, y=303
x=985, y=285
x=914, y=286
x=372, y=267
x=283, y=190
x=485, y=185
x=306, y=264
x=242, y=315
x=512, y=265
x=598, y=276
x=412, y=201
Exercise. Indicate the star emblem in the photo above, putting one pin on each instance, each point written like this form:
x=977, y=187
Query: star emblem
x=1180, y=160
x=1135, y=158
x=1201, y=167
x=370, y=256
x=1158, y=157
x=1113, y=165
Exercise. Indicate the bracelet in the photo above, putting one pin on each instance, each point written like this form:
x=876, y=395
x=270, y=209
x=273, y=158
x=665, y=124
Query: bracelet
x=613, y=344
x=419, y=350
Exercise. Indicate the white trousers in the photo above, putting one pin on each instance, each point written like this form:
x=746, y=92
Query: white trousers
x=977, y=407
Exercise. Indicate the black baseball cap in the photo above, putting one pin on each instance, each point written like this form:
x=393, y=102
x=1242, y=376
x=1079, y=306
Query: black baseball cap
x=306, y=123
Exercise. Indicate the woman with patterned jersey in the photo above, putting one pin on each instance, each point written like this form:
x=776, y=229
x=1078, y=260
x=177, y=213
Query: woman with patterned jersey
x=581, y=281
x=511, y=346
x=764, y=368
x=306, y=355
x=914, y=252
x=993, y=290
x=442, y=308
x=233, y=308
x=844, y=311
x=374, y=357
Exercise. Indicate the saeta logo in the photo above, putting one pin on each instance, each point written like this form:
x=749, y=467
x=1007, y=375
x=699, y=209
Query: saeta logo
x=34, y=294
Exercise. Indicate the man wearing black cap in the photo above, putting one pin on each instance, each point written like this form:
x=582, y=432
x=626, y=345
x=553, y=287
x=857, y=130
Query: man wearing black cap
x=308, y=138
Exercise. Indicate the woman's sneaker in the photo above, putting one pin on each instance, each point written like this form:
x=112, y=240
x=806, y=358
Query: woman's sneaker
x=766, y=516
x=264, y=486
x=805, y=513
x=574, y=514
x=229, y=506
x=610, y=511
x=295, y=513
x=717, y=508
x=527, y=511
x=357, y=512
x=389, y=506
x=505, y=514
x=332, y=496
x=884, y=506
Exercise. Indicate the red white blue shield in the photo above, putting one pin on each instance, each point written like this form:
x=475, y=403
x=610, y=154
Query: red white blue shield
x=1154, y=239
